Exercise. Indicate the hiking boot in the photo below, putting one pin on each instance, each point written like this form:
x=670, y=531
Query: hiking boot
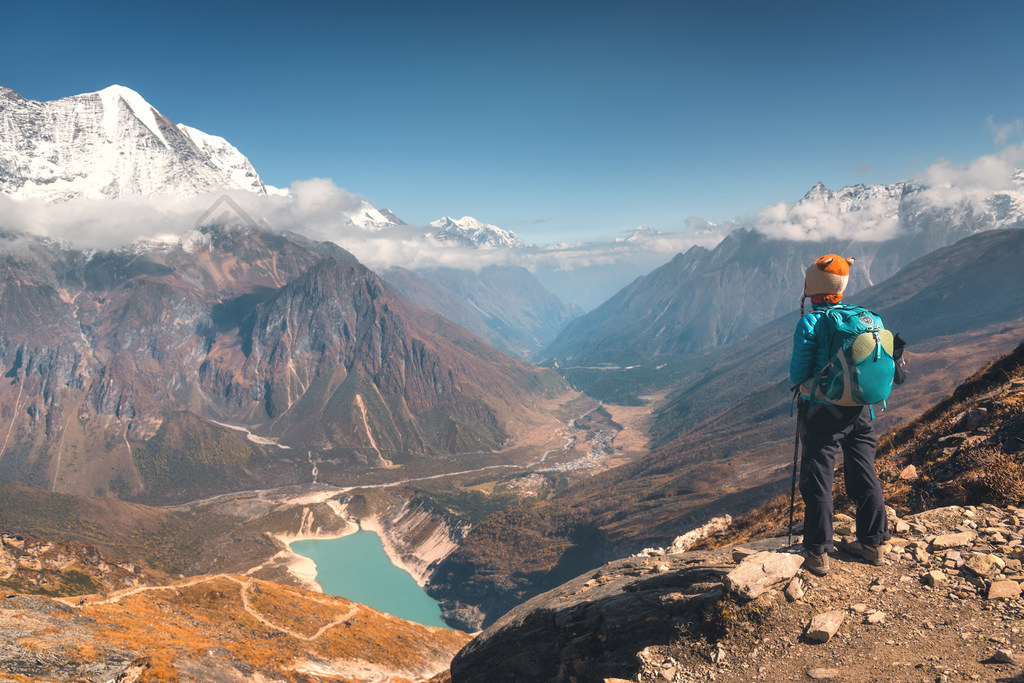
x=816, y=563
x=872, y=554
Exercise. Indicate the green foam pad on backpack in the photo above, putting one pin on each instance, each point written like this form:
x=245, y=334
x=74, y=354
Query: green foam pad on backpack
x=864, y=345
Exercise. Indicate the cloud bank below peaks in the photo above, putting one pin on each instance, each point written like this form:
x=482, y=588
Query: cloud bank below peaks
x=320, y=210
x=989, y=190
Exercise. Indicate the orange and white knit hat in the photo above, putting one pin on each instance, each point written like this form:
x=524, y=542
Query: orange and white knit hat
x=826, y=279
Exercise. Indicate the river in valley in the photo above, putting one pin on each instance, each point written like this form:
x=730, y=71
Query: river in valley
x=356, y=567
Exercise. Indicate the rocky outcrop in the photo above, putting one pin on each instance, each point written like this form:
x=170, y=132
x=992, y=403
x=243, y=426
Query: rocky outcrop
x=589, y=628
x=30, y=565
x=689, y=616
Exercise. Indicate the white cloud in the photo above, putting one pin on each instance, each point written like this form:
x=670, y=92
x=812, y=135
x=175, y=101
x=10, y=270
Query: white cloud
x=106, y=223
x=319, y=210
x=837, y=215
x=1002, y=133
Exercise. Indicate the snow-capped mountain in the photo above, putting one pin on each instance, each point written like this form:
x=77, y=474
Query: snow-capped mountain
x=370, y=218
x=900, y=210
x=110, y=143
x=470, y=232
x=708, y=298
x=643, y=232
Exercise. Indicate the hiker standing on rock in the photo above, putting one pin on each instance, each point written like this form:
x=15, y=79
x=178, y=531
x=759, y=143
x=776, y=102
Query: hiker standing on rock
x=828, y=422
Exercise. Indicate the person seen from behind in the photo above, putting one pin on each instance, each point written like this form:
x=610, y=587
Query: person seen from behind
x=825, y=428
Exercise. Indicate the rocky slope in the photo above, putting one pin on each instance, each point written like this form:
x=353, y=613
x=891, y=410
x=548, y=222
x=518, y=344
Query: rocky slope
x=139, y=371
x=30, y=565
x=946, y=604
x=110, y=143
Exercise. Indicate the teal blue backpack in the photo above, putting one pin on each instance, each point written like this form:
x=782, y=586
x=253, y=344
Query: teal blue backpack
x=861, y=366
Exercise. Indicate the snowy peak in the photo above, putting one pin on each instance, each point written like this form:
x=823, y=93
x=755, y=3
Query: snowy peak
x=959, y=205
x=107, y=144
x=469, y=232
x=854, y=197
x=226, y=158
x=643, y=232
x=370, y=218
x=113, y=96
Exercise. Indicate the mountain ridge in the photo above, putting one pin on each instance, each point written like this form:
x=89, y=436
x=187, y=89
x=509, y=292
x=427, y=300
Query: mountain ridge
x=710, y=297
x=292, y=339
x=110, y=143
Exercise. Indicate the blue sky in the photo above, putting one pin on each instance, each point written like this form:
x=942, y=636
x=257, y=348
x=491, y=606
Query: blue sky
x=560, y=121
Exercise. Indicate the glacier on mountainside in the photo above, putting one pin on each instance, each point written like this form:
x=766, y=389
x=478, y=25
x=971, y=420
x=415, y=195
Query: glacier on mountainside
x=109, y=144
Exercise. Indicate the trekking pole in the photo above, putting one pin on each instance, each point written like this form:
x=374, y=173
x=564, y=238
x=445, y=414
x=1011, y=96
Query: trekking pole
x=796, y=452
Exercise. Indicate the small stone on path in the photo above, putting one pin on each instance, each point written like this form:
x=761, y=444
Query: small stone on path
x=1003, y=589
x=795, y=590
x=823, y=674
x=762, y=571
x=824, y=626
x=980, y=565
x=953, y=540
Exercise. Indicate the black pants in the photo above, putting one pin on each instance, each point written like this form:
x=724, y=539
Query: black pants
x=824, y=429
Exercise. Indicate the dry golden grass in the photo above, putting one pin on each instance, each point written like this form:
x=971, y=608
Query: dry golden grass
x=267, y=625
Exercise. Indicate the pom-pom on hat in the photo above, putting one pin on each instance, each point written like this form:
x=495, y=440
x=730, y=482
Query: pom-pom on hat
x=826, y=279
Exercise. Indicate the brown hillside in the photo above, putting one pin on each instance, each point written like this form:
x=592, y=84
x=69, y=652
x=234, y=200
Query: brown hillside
x=222, y=627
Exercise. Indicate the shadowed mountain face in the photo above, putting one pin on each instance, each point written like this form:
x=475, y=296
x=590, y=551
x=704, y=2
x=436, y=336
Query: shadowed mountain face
x=699, y=300
x=973, y=285
x=117, y=363
x=504, y=305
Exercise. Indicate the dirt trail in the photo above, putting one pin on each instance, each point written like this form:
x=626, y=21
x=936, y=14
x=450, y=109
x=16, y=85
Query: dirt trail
x=246, y=585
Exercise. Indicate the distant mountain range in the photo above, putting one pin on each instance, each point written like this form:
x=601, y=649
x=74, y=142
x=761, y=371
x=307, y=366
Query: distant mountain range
x=114, y=144
x=470, y=232
x=504, y=305
x=707, y=298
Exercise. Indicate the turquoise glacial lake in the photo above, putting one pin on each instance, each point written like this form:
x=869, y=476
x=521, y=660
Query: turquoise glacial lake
x=356, y=567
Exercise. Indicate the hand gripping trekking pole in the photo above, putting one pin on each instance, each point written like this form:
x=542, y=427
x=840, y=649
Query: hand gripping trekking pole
x=796, y=453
